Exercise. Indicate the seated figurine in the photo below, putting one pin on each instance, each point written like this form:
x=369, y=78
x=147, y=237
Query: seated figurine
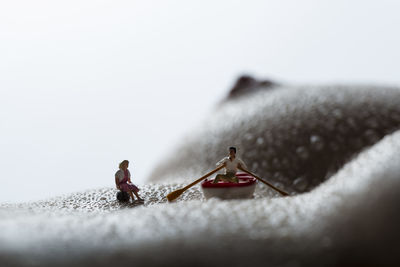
x=123, y=181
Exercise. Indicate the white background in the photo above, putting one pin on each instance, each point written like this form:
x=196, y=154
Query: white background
x=86, y=84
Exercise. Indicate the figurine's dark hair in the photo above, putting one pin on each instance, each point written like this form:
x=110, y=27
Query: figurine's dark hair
x=122, y=163
x=233, y=148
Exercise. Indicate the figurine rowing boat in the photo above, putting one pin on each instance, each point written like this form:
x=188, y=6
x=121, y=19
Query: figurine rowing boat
x=230, y=185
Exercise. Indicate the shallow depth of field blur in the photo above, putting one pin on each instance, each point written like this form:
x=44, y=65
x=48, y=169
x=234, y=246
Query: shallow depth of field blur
x=86, y=84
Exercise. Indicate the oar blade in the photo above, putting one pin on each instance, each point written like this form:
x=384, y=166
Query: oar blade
x=175, y=194
x=283, y=193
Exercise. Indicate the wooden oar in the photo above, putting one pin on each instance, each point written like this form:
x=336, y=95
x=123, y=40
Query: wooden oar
x=265, y=182
x=173, y=195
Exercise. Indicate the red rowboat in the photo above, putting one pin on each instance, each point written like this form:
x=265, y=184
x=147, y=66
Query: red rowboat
x=227, y=190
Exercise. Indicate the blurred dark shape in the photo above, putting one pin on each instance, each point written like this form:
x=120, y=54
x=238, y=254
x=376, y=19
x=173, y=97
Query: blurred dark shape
x=122, y=196
x=246, y=84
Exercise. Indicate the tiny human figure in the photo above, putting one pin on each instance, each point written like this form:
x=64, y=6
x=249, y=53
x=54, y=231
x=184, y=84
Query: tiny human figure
x=123, y=181
x=231, y=164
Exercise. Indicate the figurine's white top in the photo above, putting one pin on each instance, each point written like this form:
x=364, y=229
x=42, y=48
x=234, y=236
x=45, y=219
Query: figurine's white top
x=120, y=175
x=231, y=165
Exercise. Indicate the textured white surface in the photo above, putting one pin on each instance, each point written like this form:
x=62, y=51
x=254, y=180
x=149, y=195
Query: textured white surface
x=351, y=218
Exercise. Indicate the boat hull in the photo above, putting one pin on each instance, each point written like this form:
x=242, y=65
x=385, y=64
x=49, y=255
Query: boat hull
x=227, y=190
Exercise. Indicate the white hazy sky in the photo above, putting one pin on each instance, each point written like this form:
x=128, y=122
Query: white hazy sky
x=86, y=84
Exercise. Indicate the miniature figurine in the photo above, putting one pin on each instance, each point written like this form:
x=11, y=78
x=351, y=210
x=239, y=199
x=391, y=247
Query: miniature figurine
x=123, y=181
x=231, y=164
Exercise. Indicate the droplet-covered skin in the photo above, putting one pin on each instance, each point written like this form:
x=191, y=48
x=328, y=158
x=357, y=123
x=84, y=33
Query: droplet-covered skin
x=334, y=148
x=297, y=137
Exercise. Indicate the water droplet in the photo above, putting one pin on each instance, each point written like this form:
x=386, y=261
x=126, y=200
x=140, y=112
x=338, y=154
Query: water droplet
x=357, y=143
x=340, y=139
x=254, y=166
x=342, y=128
x=372, y=123
x=276, y=163
x=264, y=164
x=334, y=146
x=268, y=175
x=396, y=117
x=268, y=136
x=302, y=152
x=297, y=123
x=278, y=143
x=260, y=141
x=300, y=184
x=337, y=113
x=371, y=136
x=294, y=132
x=251, y=154
x=330, y=124
x=277, y=175
x=285, y=163
x=248, y=136
x=316, y=142
x=352, y=123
